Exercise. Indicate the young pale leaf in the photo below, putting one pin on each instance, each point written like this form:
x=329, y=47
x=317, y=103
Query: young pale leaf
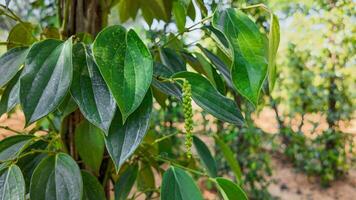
x=206, y=157
x=126, y=65
x=125, y=183
x=273, y=43
x=12, y=184
x=145, y=179
x=249, y=68
x=57, y=177
x=21, y=35
x=13, y=146
x=229, y=190
x=89, y=89
x=10, y=97
x=90, y=144
x=46, y=78
x=123, y=139
x=180, y=11
x=10, y=63
x=230, y=159
x=178, y=185
x=207, y=97
x=92, y=189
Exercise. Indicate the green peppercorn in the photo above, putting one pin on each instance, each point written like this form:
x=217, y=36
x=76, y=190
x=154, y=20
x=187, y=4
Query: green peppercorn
x=188, y=117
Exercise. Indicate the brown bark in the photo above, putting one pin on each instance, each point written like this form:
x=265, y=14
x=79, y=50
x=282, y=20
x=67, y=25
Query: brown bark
x=78, y=16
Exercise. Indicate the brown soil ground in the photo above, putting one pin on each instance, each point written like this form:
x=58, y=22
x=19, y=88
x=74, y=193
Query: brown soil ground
x=289, y=184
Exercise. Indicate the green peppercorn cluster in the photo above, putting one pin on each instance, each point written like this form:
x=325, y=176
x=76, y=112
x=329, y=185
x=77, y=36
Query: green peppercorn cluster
x=188, y=117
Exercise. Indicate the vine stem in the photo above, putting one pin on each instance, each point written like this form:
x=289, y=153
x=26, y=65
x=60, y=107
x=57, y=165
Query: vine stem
x=158, y=158
x=65, y=16
x=10, y=129
x=260, y=5
x=189, y=29
x=164, y=137
x=26, y=154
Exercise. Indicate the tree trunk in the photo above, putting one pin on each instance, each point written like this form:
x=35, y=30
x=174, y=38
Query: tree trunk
x=78, y=16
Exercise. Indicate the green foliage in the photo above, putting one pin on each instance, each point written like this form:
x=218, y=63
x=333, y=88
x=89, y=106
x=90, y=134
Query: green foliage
x=325, y=156
x=252, y=160
x=91, y=92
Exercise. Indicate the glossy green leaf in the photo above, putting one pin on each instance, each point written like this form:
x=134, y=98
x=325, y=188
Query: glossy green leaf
x=92, y=189
x=10, y=62
x=126, y=66
x=145, y=179
x=273, y=43
x=178, y=185
x=21, y=35
x=123, y=139
x=46, y=78
x=12, y=184
x=205, y=156
x=125, y=182
x=57, y=177
x=89, y=141
x=180, y=11
x=229, y=190
x=10, y=97
x=230, y=158
x=208, y=98
x=89, y=89
x=12, y=146
x=249, y=68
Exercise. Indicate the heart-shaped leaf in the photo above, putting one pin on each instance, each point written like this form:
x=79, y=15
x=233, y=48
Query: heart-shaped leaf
x=123, y=139
x=249, y=68
x=178, y=185
x=126, y=65
x=12, y=184
x=208, y=98
x=56, y=177
x=89, y=89
x=46, y=78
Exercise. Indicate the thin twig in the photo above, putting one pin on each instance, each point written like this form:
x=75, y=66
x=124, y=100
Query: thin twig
x=10, y=129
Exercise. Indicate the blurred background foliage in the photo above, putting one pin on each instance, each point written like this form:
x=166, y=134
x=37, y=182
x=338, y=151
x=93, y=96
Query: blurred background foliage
x=316, y=75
